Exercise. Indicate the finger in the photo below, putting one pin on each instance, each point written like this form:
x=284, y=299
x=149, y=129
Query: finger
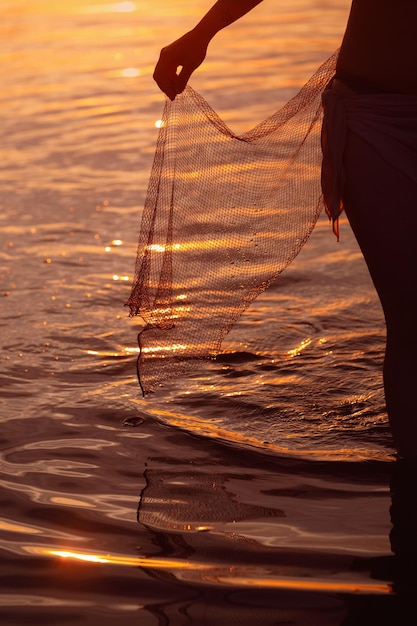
x=168, y=88
x=165, y=74
x=182, y=79
x=165, y=78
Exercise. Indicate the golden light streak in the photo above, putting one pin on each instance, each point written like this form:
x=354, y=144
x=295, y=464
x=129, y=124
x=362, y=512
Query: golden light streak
x=201, y=426
x=227, y=575
x=118, y=559
x=171, y=348
x=297, y=350
x=131, y=350
x=311, y=585
x=156, y=247
x=93, y=558
x=123, y=352
x=11, y=526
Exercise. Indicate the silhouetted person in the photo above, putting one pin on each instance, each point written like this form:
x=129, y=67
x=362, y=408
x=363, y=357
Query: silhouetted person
x=370, y=125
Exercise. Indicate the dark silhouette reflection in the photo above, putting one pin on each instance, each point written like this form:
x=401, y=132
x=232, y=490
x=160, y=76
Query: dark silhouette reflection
x=185, y=514
x=398, y=609
x=403, y=511
x=213, y=535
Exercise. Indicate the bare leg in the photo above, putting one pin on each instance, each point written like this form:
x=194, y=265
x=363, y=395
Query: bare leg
x=381, y=205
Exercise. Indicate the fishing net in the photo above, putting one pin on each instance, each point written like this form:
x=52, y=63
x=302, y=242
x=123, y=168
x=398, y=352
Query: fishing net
x=224, y=215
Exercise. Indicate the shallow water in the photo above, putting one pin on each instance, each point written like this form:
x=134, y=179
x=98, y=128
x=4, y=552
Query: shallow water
x=256, y=489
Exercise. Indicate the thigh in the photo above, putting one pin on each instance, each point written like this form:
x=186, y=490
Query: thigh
x=380, y=203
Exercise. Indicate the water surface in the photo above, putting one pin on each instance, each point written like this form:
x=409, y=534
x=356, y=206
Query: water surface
x=256, y=489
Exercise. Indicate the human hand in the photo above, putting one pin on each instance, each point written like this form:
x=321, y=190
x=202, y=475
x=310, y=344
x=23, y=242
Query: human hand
x=186, y=53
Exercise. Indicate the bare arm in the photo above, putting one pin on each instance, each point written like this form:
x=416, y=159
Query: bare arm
x=190, y=50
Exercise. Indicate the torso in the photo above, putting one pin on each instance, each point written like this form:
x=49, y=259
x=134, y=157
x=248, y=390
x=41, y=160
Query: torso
x=380, y=47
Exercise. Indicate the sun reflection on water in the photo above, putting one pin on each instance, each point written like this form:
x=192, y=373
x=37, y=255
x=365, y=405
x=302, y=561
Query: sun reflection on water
x=225, y=574
x=130, y=72
x=124, y=7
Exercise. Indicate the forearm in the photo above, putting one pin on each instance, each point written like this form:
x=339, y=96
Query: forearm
x=223, y=13
x=189, y=51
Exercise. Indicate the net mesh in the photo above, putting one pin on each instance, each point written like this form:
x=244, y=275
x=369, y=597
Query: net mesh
x=224, y=215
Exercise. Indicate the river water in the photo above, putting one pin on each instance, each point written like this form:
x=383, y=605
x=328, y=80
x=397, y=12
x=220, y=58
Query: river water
x=257, y=488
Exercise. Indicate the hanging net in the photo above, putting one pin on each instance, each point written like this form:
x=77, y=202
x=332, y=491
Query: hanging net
x=224, y=215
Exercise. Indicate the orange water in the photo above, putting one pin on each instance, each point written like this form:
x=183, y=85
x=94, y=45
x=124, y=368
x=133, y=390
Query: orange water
x=272, y=450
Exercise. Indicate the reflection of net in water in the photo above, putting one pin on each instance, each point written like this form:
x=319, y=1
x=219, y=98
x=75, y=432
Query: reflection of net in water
x=224, y=215
x=192, y=502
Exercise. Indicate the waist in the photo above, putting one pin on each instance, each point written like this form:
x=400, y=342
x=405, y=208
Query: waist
x=351, y=85
x=369, y=99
